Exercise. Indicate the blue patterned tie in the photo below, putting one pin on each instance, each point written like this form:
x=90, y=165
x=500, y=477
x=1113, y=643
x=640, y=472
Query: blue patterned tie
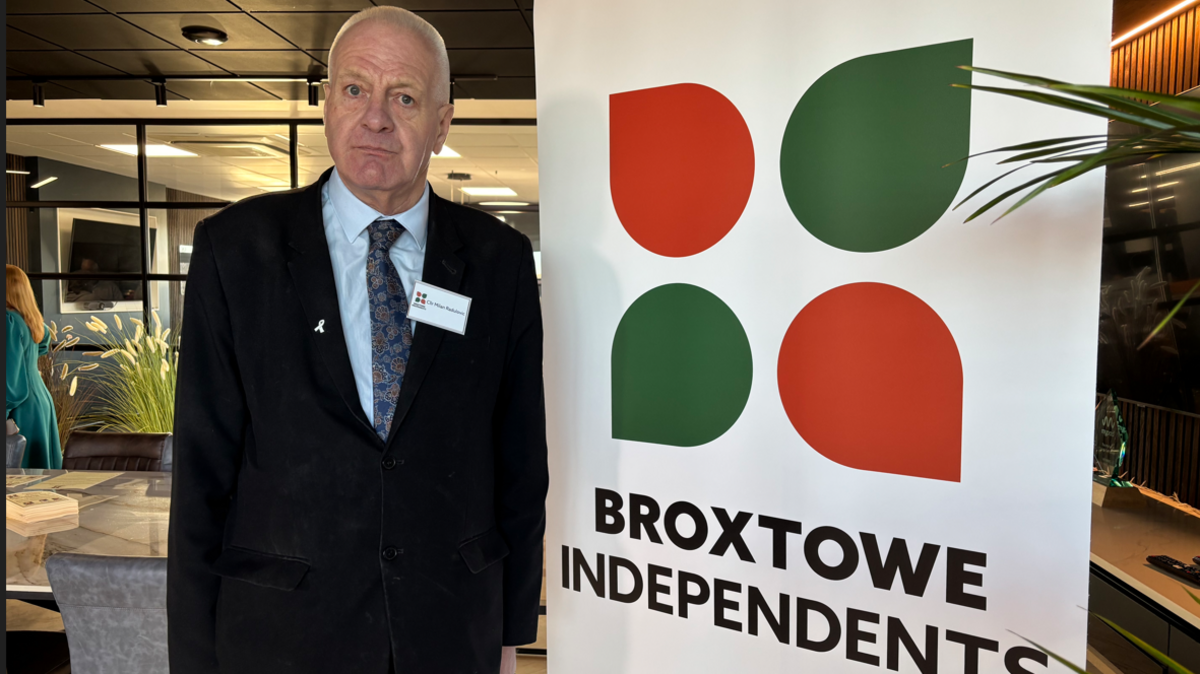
x=391, y=332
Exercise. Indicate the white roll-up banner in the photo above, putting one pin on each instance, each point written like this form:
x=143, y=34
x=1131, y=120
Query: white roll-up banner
x=804, y=417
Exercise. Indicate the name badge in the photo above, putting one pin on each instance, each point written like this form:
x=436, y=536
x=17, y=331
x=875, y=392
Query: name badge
x=439, y=307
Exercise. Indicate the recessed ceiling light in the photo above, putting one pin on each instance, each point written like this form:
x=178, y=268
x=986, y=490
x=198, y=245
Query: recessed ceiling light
x=156, y=150
x=504, y=203
x=205, y=35
x=43, y=183
x=489, y=191
x=447, y=153
x=508, y=212
x=16, y=172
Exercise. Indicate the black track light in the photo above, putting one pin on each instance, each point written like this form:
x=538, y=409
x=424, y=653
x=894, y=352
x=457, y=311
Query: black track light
x=39, y=95
x=160, y=94
x=314, y=93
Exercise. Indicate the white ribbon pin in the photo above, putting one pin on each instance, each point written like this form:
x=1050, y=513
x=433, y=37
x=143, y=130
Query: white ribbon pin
x=320, y=327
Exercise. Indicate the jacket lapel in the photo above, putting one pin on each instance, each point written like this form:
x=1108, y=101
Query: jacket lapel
x=312, y=273
x=444, y=269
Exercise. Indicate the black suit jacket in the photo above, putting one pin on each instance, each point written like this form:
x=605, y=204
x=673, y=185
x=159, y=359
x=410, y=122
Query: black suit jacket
x=300, y=542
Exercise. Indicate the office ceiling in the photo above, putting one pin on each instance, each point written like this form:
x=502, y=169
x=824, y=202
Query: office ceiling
x=490, y=43
x=1129, y=14
x=234, y=162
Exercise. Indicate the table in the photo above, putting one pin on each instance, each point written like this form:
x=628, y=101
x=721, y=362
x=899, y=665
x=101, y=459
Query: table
x=125, y=515
x=1123, y=537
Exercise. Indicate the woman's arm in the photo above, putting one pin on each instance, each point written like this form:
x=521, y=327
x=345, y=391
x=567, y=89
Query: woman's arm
x=16, y=370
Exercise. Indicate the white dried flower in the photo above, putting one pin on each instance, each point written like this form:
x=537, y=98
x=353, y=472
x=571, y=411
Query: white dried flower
x=87, y=368
x=68, y=328
x=117, y=320
x=74, y=381
x=111, y=352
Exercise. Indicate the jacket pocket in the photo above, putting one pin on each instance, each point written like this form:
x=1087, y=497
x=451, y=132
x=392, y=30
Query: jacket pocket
x=260, y=568
x=483, y=550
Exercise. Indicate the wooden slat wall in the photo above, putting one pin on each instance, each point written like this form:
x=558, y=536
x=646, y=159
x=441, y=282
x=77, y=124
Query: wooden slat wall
x=181, y=225
x=16, y=228
x=1165, y=59
x=1164, y=450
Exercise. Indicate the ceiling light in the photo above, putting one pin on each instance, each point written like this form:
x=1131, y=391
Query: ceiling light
x=489, y=191
x=1176, y=169
x=1140, y=189
x=504, y=203
x=509, y=212
x=151, y=150
x=1173, y=182
x=1140, y=203
x=160, y=94
x=205, y=35
x=1153, y=22
x=1165, y=198
x=43, y=183
x=16, y=172
x=39, y=96
x=314, y=94
x=447, y=153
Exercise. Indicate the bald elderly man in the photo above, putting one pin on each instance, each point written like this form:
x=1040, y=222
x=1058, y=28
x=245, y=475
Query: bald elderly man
x=360, y=488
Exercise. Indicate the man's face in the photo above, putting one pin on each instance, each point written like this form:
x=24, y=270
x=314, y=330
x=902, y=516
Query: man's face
x=382, y=121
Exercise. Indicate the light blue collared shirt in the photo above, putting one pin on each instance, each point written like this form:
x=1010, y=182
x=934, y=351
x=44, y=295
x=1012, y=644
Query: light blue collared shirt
x=346, y=221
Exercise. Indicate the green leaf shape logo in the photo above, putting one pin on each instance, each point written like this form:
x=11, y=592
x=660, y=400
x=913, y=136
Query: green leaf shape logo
x=681, y=368
x=863, y=153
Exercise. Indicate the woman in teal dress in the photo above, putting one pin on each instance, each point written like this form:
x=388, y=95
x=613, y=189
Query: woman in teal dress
x=27, y=401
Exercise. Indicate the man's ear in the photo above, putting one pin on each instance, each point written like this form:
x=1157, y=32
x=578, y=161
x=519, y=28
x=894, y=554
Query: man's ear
x=446, y=115
x=324, y=85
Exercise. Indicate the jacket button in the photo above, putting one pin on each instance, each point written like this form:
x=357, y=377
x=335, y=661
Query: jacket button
x=389, y=463
x=390, y=553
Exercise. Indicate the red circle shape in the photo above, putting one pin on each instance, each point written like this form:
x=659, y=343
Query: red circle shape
x=871, y=378
x=677, y=212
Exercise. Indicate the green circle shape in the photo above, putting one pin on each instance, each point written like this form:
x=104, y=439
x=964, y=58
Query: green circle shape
x=864, y=156
x=681, y=368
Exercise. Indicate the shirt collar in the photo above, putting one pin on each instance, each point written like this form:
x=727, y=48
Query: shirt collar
x=354, y=216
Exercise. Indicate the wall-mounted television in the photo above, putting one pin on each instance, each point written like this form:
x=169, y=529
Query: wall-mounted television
x=105, y=247
x=101, y=241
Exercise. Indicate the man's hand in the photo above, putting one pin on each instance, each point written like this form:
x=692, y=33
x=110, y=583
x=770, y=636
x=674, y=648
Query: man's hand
x=508, y=660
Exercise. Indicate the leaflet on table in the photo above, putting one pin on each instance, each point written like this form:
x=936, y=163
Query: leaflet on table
x=11, y=481
x=82, y=479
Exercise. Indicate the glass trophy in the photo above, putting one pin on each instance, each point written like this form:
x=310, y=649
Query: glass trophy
x=1111, y=441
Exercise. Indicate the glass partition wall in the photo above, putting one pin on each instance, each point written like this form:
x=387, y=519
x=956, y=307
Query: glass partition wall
x=100, y=213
